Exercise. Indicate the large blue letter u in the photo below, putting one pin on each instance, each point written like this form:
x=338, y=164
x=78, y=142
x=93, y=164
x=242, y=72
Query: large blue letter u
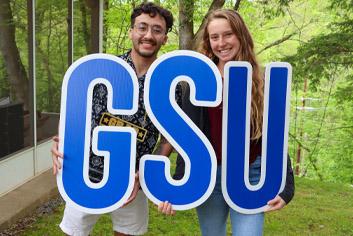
x=116, y=144
x=237, y=190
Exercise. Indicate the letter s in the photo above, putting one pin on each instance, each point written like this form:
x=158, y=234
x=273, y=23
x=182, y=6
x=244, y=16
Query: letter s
x=205, y=84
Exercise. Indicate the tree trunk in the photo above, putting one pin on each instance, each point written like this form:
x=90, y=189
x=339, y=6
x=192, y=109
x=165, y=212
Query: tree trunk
x=186, y=24
x=86, y=35
x=216, y=4
x=237, y=5
x=47, y=67
x=94, y=7
x=299, y=151
x=105, y=26
x=17, y=75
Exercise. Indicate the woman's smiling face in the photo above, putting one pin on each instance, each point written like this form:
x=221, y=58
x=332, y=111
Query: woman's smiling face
x=224, y=43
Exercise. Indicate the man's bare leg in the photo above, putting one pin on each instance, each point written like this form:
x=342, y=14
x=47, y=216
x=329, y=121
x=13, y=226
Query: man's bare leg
x=119, y=234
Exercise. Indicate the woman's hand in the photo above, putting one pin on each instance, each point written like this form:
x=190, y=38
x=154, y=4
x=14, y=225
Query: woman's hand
x=275, y=204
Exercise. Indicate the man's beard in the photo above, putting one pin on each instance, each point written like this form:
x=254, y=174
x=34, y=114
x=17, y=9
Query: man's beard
x=147, y=54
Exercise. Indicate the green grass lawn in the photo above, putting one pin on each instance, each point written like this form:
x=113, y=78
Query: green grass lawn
x=317, y=209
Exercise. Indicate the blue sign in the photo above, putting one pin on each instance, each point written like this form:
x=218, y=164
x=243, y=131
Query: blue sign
x=118, y=144
x=237, y=190
x=205, y=84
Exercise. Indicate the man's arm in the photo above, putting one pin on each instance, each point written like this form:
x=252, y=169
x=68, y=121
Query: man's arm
x=164, y=148
x=55, y=154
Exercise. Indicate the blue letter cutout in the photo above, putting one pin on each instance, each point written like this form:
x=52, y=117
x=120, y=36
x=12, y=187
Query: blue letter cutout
x=116, y=144
x=205, y=84
x=237, y=190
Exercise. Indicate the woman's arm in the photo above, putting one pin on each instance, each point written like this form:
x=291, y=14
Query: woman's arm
x=287, y=194
x=288, y=191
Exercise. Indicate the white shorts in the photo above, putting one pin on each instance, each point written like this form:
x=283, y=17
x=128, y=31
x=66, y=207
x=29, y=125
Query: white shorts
x=131, y=219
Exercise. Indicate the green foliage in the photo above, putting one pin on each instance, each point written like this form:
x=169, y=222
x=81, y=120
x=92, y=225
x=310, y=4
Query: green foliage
x=330, y=51
x=326, y=136
x=273, y=8
x=345, y=5
x=325, y=61
x=51, y=52
x=344, y=90
x=117, y=19
x=324, y=54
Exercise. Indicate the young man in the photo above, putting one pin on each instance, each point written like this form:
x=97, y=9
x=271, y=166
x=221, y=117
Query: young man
x=149, y=27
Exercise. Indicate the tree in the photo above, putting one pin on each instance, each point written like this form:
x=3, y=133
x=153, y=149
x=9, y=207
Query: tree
x=16, y=72
x=186, y=22
x=326, y=61
x=317, y=58
x=94, y=37
x=85, y=32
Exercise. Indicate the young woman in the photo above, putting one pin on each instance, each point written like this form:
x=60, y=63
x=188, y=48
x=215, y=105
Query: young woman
x=226, y=38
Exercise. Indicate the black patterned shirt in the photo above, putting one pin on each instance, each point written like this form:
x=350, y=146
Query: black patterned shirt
x=147, y=134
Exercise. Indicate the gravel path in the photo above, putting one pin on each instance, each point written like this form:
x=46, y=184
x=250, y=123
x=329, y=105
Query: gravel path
x=26, y=222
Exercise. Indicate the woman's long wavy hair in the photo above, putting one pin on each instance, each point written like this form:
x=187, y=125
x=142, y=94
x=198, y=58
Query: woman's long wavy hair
x=245, y=53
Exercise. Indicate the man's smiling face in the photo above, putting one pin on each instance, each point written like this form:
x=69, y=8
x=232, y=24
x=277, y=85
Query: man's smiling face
x=148, y=35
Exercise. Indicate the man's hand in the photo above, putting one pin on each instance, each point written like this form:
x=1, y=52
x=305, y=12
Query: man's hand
x=275, y=204
x=56, y=154
x=134, y=191
x=166, y=208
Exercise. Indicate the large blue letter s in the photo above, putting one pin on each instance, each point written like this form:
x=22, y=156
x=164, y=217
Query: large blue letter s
x=237, y=190
x=205, y=84
x=116, y=144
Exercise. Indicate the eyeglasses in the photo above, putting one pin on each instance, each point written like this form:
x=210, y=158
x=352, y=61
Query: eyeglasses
x=142, y=28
